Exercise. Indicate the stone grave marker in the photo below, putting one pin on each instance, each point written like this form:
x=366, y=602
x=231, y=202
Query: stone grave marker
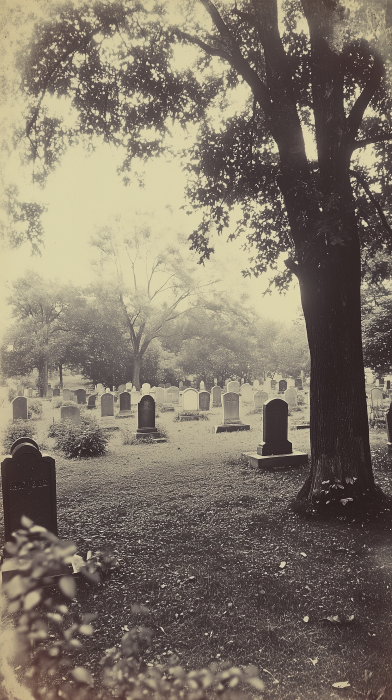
x=128, y=386
x=216, y=396
x=388, y=384
x=202, y=386
x=246, y=393
x=80, y=396
x=388, y=420
x=190, y=400
x=146, y=389
x=282, y=386
x=216, y=381
x=274, y=384
x=159, y=395
x=49, y=393
x=260, y=397
x=121, y=388
x=231, y=414
x=291, y=398
x=56, y=392
x=29, y=488
x=290, y=383
x=146, y=419
x=233, y=386
x=19, y=408
x=181, y=385
x=125, y=403
x=298, y=383
x=20, y=390
x=30, y=393
x=107, y=405
x=173, y=395
x=204, y=400
x=66, y=395
x=376, y=397
x=70, y=413
x=256, y=384
x=276, y=450
x=91, y=403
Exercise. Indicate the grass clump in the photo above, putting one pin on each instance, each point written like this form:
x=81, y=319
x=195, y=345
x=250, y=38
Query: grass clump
x=84, y=440
x=130, y=438
x=15, y=430
x=35, y=409
x=190, y=414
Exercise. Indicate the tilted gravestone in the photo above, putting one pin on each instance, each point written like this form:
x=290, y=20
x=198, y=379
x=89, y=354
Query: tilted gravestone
x=282, y=386
x=71, y=413
x=260, y=397
x=204, y=400
x=121, y=388
x=216, y=396
x=291, y=398
x=91, y=401
x=80, y=396
x=107, y=405
x=276, y=450
x=29, y=487
x=231, y=414
x=19, y=408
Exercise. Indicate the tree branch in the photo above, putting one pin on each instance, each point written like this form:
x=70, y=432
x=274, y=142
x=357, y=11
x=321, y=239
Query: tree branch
x=201, y=44
x=357, y=111
x=372, y=139
x=372, y=198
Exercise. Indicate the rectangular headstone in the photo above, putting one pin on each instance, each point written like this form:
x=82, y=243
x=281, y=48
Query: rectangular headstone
x=282, y=386
x=204, y=400
x=80, y=396
x=29, y=487
x=275, y=429
x=70, y=413
x=125, y=401
x=260, y=397
x=233, y=386
x=56, y=392
x=159, y=395
x=107, y=405
x=91, y=401
x=173, y=395
x=190, y=400
x=19, y=408
x=66, y=395
x=231, y=407
x=146, y=389
x=246, y=393
x=291, y=397
x=216, y=396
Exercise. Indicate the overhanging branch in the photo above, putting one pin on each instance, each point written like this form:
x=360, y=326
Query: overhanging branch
x=373, y=199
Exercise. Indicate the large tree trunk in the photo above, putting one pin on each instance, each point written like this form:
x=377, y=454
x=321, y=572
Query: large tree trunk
x=341, y=473
x=137, y=363
x=61, y=375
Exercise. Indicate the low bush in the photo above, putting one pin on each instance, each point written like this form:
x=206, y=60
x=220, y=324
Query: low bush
x=47, y=635
x=15, y=430
x=84, y=440
x=35, y=409
x=12, y=394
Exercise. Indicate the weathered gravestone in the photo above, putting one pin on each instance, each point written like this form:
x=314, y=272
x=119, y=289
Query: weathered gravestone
x=291, y=398
x=91, y=401
x=181, y=385
x=146, y=389
x=231, y=414
x=388, y=420
x=146, y=419
x=107, y=405
x=56, y=392
x=66, y=394
x=173, y=395
x=159, y=394
x=30, y=393
x=216, y=396
x=80, y=396
x=388, y=384
x=233, y=387
x=256, y=384
x=282, y=386
x=276, y=450
x=20, y=390
x=274, y=384
x=260, y=397
x=71, y=413
x=202, y=386
x=190, y=400
x=49, y=393
x=298, y=383
x=204, y=400
x=128, y=386
x=19, y=408
x=125, y=404
x=121, y=388
x=246, y=393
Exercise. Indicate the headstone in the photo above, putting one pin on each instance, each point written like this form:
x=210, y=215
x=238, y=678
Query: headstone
x=275, y=429
x=146, y=389
x=30, y=393
x=298, y=383
x=190, y=400
x=267, y=384
x=388, y=420
x=159, y=395
x=246, y=393
x=125, y=401
x=290, y=396
x=107, y=390
x=121, y=388
x=173, y=395
x=282, y=386
x=376, y=397
x=107, y=405
x=56, y=392
x=233, y=386
x=19, y=408
x=66, y=395
x=231, y=407
x=80, y=396
x=146, y=418
x=100, y=389
x=256, y=384
x=216, y=396
x=91, y=401
x=388, y=384
x=167, y=385
x=128, y=386
x=49, y=393
x=29, y=487
x=204, y=400
x=162, y=386
x=226, y=382
x=20, y=390
x=70, y=413
x=273, y=384
x=181, y=385
x=260, y=397
x=202, y=386
x=216, y=381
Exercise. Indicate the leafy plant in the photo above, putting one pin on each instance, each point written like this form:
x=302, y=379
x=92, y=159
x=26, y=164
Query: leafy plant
x=35, y=409
x=84, y=440
x=45, y=641
x=12, y=394
x=15, y=430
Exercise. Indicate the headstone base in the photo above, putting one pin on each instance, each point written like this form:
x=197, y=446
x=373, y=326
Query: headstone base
x=166, y=409
x=267, y=449
x=148, y=432
x=188, y=415
x=216, y=405
x=125, y=414
x=231, y=427
x=273, y=462
x=302, y=426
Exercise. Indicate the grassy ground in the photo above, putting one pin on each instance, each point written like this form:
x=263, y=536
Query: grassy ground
x=227, y=571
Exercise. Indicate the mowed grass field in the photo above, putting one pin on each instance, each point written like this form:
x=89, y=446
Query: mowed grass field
x=227, y=571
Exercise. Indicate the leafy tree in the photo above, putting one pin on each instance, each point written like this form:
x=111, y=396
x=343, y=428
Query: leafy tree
x=290, y=350
x=259, y=82
x=151, y=286
x=45, y=328
x=377, y=331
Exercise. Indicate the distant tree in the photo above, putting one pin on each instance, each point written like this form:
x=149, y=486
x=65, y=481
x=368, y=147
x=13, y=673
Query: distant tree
x=290, y=350
x=377, y=330
x=151, y=284
x=45, y=326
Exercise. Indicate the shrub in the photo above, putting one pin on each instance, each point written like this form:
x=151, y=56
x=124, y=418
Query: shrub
x=15, y=430
x=35, y=409
x=46, y=638
x=12, y=394
x=84, y=440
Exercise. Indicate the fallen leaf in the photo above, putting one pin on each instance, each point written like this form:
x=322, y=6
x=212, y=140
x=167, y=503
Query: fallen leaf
x=341, y=684
x=282, y=565
x=303, y=554
x=314, y=661
x=332, y=618
x=306, y=618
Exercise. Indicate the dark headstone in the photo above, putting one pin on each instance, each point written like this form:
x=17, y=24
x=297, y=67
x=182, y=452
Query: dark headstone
x=56, y=392
x=125, y=401
x=29, y=487
x=19, y=408
x=204, y=400
x=80, y=396
x=282, y=385
x=107, y=405
x=275, y=429
x=388, y=384
x=146, y=412
x=91, y=401
x=216, y=396
x=298, y=383
x=388, y=419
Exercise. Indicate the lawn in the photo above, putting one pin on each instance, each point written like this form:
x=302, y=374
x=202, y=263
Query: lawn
x=228, y=572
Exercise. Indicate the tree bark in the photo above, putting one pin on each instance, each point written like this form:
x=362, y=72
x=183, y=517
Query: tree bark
x=61, y=375
x=137, y=363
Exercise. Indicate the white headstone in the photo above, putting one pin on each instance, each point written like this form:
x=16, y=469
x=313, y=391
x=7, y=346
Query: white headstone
x=190, y=400
x=291, y=397
x=246, y=393
x=233, y=386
